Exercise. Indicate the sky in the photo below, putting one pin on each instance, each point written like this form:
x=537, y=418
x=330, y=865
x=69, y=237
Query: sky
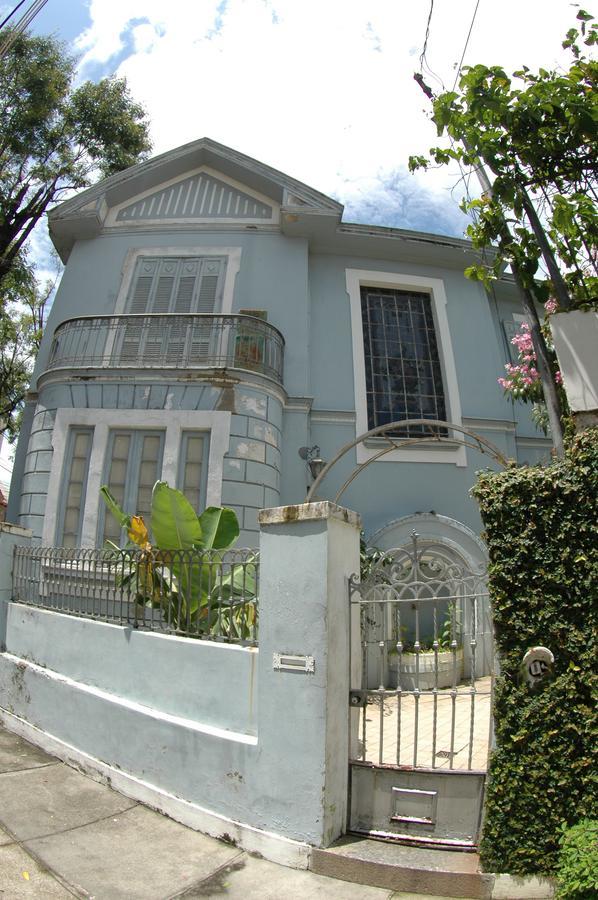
x=322, y=90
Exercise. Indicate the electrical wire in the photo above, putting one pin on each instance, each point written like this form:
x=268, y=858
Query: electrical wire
x=475, y=12
x=23, y=23
x=423, y=61
x=423, y=53
x=11, y=14
x=465, y=177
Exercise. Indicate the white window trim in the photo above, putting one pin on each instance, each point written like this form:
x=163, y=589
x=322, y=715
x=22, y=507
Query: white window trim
x=355, y=280
x=112, y=221
x=173, y=423
x=233, y=264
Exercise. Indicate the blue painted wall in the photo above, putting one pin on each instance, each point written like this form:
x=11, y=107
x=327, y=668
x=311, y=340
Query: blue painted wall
x=304, y=294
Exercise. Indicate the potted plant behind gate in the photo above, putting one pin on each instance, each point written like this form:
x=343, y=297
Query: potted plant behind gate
x=434, y=663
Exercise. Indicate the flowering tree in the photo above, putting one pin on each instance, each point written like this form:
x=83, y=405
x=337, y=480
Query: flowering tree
x=522, y=380
x=536, y=135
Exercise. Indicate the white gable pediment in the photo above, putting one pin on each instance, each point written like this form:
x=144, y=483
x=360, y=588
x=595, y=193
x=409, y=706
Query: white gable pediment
x=203, y=195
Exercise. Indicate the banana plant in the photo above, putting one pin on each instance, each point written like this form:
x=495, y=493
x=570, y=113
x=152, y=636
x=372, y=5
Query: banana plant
x=181, y=573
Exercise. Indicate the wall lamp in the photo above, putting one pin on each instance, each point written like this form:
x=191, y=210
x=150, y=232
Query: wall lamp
x=312, y=457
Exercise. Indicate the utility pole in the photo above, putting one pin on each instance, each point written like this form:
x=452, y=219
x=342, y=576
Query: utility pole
x=553, y=404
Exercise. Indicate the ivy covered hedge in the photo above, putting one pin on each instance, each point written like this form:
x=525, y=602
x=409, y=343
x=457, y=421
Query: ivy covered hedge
x=542, y=535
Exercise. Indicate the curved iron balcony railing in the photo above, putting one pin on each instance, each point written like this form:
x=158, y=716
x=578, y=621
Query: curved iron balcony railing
x=175, y=341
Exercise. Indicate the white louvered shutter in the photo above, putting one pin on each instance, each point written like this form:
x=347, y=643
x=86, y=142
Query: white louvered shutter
x=183, y=300
x=205, y=339
x=184, y=285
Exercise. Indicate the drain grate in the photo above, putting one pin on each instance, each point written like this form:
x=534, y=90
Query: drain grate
x=447, y=754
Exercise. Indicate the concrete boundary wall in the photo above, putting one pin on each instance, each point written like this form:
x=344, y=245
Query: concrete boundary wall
x=295, y=854
x=202, y=681
x=10, y=537
x=247, y=745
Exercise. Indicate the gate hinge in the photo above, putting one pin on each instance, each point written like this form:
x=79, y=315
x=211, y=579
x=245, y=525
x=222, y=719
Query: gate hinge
x=357, y=698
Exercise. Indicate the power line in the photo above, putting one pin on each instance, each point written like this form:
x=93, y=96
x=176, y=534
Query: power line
x=423, y=60
x=423, y=53
x=23, y=23
x=475, y=12
x=11, y=14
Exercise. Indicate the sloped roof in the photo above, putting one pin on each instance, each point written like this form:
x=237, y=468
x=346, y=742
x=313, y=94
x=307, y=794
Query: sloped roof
x=305, y=212
x=202, y=152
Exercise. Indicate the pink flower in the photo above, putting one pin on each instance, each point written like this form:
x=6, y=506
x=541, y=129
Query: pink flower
x=551, y=306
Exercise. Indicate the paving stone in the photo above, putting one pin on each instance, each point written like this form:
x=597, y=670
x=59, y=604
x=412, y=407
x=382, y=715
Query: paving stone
x=15, y=753
x=5, y=837
x=137, y=855
x=248, y=878
x=54, y=798
x=22, y=877
x=401, y=896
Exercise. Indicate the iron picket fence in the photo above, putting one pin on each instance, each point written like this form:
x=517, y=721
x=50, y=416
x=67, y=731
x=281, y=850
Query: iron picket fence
x=212, y=595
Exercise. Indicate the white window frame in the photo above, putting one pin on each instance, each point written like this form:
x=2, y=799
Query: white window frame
x=233, y=264
x=355, y=280
x=173, y=423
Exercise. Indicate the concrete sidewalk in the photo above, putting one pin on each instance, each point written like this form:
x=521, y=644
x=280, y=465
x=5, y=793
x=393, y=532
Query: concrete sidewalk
x=63, y=835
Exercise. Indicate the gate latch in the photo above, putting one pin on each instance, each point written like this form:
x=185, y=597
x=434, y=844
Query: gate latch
x=357, y=698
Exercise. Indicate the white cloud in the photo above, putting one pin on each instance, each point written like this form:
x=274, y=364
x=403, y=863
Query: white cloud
x=321, y=89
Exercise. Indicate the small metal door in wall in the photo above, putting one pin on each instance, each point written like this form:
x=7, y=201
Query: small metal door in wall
x=421, y=723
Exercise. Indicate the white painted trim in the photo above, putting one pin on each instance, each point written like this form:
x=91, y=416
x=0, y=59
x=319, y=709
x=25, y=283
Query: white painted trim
x=102, y=420
x=223, y=734
x=476, y=423
x=333, y=416
x=233, y=264
x=274, y=847
x=112, y=221
x=355, y=279
x=431, y=526
x=536, y=443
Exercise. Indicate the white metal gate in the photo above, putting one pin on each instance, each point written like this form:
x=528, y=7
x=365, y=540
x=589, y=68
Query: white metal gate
x=421, y=717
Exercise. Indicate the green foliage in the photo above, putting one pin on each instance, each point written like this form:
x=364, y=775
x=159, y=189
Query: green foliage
x=536, y=133
x=180, y=572
x=55, y=137
x=541, y=534
x=577, y=869
x=174, y=523
x=219, y=527
x=23, y=304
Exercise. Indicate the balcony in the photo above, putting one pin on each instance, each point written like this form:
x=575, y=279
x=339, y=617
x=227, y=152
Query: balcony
x=175, y=341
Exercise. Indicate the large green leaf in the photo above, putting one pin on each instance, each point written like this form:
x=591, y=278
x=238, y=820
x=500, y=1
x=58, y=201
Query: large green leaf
x=240, y=581
x=175, y=525
x=220, y=528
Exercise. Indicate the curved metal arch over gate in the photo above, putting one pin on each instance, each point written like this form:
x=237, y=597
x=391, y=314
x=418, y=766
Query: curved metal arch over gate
x=468, y=438
x=421, y=721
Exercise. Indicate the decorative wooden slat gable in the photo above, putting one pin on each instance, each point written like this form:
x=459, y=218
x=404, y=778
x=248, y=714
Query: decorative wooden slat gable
x=200, y=196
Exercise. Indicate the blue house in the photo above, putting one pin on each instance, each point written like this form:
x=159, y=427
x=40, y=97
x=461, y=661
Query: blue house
x=219, y=327
x=216, y=316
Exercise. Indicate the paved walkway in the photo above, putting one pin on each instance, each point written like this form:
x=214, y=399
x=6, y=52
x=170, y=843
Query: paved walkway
x=63, y=835
x=430, y=730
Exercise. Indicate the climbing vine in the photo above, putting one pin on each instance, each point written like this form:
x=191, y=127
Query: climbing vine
x=541, y=533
